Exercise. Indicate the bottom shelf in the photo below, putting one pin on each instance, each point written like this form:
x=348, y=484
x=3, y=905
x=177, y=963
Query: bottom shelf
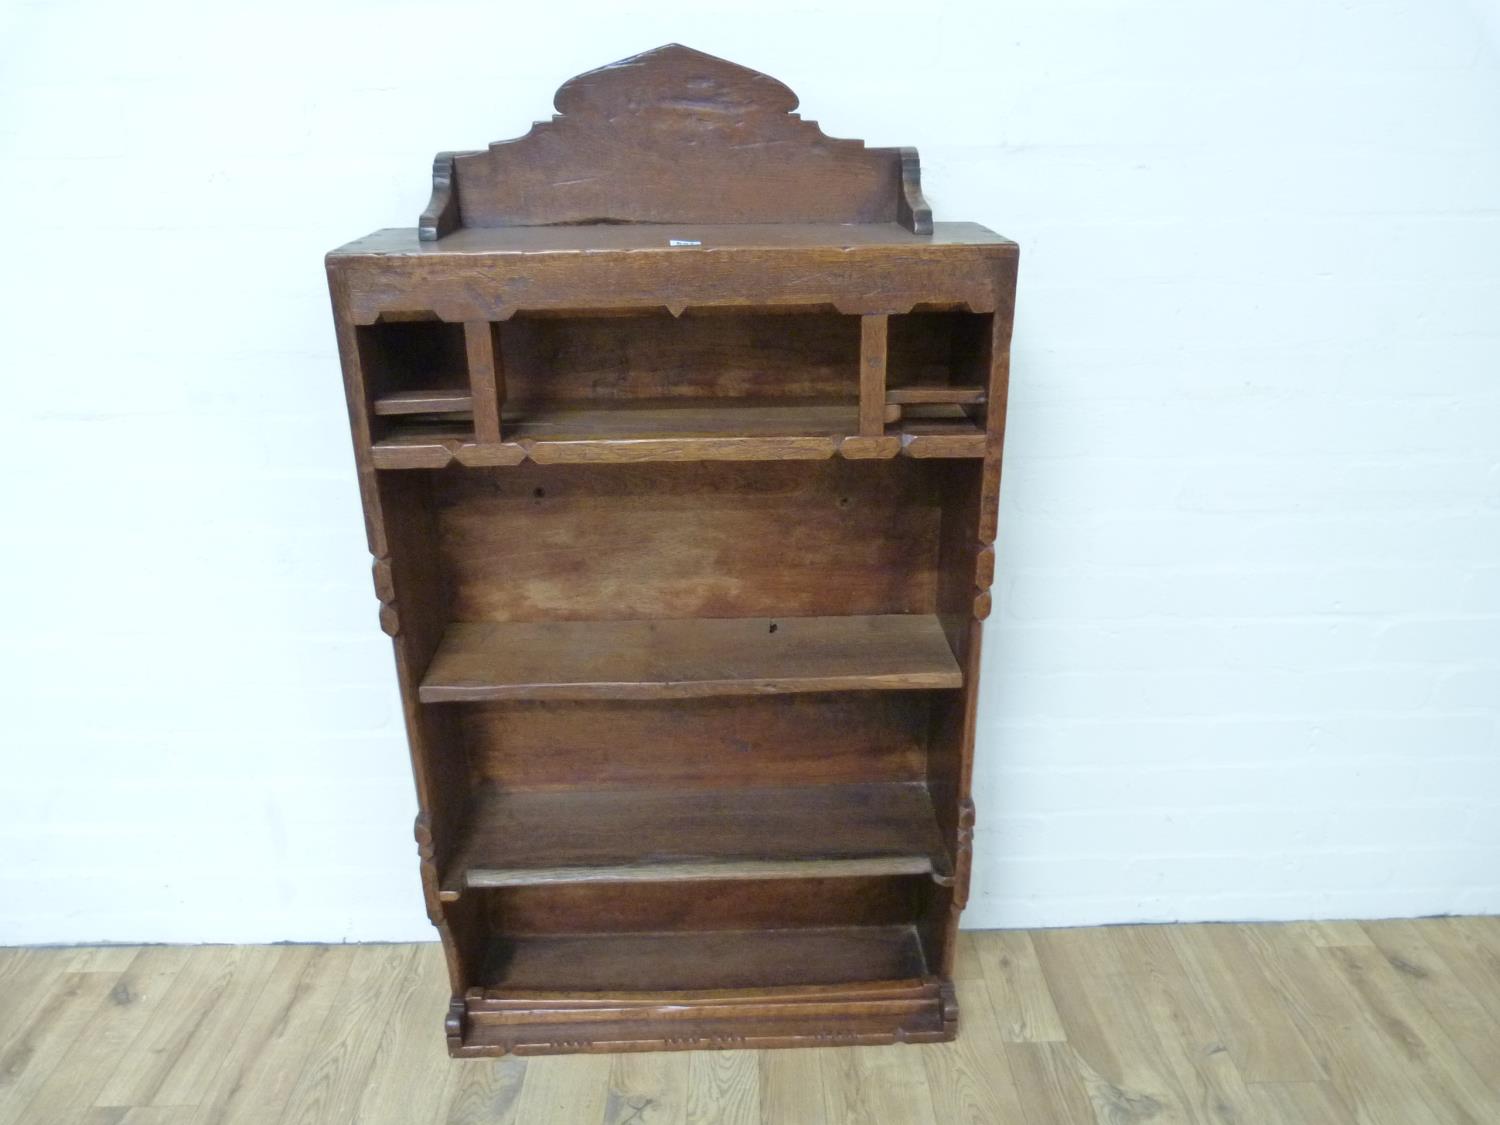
x=703, y=990
x=569, y=964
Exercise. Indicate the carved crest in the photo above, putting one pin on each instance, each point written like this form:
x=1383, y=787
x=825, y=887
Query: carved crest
x=675, y=136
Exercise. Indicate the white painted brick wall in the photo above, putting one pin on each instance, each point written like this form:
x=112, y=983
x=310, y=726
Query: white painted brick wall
x=1246, y=656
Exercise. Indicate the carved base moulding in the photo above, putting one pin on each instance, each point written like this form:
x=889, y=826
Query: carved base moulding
x=923, y=1012
x=679, y=429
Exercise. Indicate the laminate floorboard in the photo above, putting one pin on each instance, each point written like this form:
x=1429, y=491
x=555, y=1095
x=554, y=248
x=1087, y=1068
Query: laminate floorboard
x=1311, y=1023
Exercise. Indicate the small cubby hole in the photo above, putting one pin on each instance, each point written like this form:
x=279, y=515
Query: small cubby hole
x=931, y=347
x=415, y=370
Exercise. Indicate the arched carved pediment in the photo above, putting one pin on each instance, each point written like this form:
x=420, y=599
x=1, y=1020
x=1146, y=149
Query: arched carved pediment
x=675, y=136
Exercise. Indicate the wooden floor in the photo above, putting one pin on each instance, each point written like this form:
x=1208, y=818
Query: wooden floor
x=1311, y=1023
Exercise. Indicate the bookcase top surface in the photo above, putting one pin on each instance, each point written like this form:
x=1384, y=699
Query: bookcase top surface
x=674, y=238
x=674, y=149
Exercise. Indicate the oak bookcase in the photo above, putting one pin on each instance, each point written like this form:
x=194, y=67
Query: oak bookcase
x=678, y=427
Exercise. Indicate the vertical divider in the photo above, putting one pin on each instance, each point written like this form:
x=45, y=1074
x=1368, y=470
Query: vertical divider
x=486, y=378
x=872, y=353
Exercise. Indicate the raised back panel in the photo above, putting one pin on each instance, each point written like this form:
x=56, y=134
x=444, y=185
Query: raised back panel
x=620, y=542
x=701, y=355
x=705, y=905
x=675, y=136
x=817, y=739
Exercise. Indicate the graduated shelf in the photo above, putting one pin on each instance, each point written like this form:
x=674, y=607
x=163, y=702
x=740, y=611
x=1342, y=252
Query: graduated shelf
x=702, y=960
x=654, y=835
x=481, y=661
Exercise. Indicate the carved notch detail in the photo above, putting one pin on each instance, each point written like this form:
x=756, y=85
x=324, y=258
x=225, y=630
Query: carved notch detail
x=385, y=590
x=963, y=859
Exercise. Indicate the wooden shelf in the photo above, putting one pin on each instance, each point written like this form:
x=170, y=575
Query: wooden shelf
x=653, y=835
x=699, y=432
x=702, y=960
x=678, y=659
x=934, y=393
x=439, y=401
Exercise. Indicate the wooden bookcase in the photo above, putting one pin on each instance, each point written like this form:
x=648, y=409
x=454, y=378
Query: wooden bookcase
x=678, y=427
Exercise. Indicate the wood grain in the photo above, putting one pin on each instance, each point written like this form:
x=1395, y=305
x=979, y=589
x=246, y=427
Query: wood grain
x=480, y=661
x=337, y=1067
x=27, y=975
x=486, y=379
x=600, y=422
x=437, y=401
x=1296, y=1102
x=724, y=1087
x=810, y=738
x=496, y=275
x=726, y=959
x=1021, y=996
x=1268, y=1045
x=876, y=1084
x=923, y=394
x=564, y=1090
x=534, y=543
x=872, y=396
x=791, y=1088
x=646, y=1088
x=1125, y=1068
x=704, y=356
x=410, y=1076
x=1049, y=1079
x=266, y=1062
x=1462, y=1016
x=1386, y=1062
x=970, y=1080
x=726, y=431
x=1209, y=1082
x=659, y=835
x=582, y=908
x=67, y=1007
x=641, y=140
x=1369, y=1078
x=150, y=1068
x=484, y=1092
x=1447, y=1080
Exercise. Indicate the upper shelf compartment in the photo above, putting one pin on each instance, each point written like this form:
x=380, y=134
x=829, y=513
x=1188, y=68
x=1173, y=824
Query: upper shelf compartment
x=711, y=383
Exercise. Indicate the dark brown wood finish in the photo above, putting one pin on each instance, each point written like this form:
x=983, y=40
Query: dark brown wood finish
x=678, y=427
x=489, y=660
x=674, y=136
x=642, y=835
